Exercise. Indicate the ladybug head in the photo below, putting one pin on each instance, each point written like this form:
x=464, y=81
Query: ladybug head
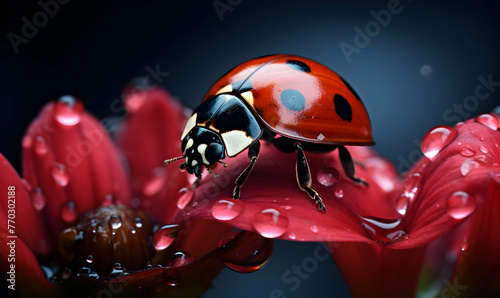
x=201, y=147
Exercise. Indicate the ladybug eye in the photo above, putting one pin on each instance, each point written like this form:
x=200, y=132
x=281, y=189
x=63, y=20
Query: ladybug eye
x=214, y=152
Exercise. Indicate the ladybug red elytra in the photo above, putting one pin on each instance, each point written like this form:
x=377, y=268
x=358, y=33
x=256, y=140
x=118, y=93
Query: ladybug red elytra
x=293, y=102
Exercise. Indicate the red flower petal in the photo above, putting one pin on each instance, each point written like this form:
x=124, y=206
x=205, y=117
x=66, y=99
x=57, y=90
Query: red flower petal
x=70, y=157
x=477, y=268
x=18, y=214
x=377, y=270
x=150, y=134
x=273, y=205
x=452, y=185
x=30, y=281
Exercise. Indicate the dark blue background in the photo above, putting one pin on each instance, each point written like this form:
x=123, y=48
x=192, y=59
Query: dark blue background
x=410, y=75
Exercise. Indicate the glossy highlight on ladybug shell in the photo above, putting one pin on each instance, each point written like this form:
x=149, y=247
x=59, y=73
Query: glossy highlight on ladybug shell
x=300, y=99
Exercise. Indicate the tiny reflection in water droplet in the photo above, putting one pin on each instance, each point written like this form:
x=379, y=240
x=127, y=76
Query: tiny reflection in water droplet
x=426, y=70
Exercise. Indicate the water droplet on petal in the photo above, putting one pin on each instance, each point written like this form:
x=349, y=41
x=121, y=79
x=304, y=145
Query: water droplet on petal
x=328, y=176
x=184, y=197
x=468, y=165
x=40, y=146
x=488, y=121
x=115, y=222
x=313, y=229
x=467, y=152
x=411, y=185
x=227, y=209
x=89, y=259
x=464, y=246
x=248, y=258
x=339, y=193
x=287, y=207
x=60, y=174
x=69, y=212
x=460, y=204
x=27, y=142
x=135, y=101
x=402, y=204
x=292, y=236
x=171, y=277
x=68, y=111
x=436, y=139
x=38, y=199
x=180, y=258
x=384, y=230
x=483, y=149
x=270, y=223
x=138, y=222
x=165, y=236
x=155, y=182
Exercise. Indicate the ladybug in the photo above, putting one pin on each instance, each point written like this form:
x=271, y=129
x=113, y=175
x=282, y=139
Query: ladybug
x=295, y=103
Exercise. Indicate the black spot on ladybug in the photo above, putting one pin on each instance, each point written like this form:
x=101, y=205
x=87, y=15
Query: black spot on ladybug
x=342, y=107
x=293, y=100
x=351, y=89
x=298, y=65
x=242, y=86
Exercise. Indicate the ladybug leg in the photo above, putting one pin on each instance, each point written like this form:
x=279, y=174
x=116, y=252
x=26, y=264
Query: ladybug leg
x=196, y=182
x=348, y=165
x=253, y=155
x=304, y=177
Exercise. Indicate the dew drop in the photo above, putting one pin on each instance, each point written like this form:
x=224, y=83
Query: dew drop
x=155, y=182
x=184, y=197
x=328, y=176
x=68, y=111
x=60, y=174
x=467, y=152
x=402, y=204
x=384, y=230
x=460, y=204
x=464, y=246
x=69, y=212
x=227, y=209
x=165, y=236
x=287, y=207
x=27, y=141
x=38, y=199
x=89, y=259
x=135, y=101
x=138, y=222
x=339, y=193
x=411, y=185
x=171, y=277
x=248, y=258
x=180, y=258
x=436, y=139
x=292, y=236
x=313, y=229
x=468, y=165
x=115, y=222
x=26, y=185
x=40, y=146
x=483, y=149
x=488, y=120
x=270, y=223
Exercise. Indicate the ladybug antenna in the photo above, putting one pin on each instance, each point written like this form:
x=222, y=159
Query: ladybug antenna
x=223, y=163
x=167, y=161
x=212, y=173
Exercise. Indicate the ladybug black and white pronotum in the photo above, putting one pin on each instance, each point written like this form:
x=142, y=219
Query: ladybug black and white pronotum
x=293, y=102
